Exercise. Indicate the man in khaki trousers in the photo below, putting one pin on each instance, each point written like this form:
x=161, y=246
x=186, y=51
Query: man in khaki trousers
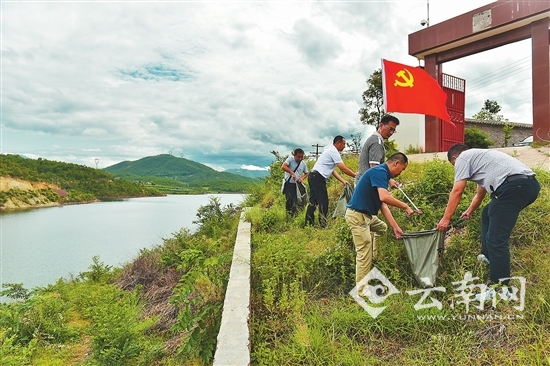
x=370, y=196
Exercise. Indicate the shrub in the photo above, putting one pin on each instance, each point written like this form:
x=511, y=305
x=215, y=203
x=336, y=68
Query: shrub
x=213, y=219
x=43, y=318
x=118, y=333
x=414, y=150
x=98, y=272
x=12, y=354
x=475, y=138
x=270, y=220
x=199, y=296
x=391, y=147
x=433, y=186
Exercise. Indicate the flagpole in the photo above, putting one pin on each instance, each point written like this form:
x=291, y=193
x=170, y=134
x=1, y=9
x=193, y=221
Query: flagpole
x=428, y=13
x=426, y=22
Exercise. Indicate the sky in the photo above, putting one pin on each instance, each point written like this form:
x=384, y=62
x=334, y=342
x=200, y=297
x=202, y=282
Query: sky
x=222, y=83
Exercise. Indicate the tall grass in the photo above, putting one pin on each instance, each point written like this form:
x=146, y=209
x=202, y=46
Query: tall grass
x=302, y=312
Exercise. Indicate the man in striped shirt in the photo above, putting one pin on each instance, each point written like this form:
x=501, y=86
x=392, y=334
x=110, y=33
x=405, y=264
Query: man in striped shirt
x=512, y=186
x=373, y=152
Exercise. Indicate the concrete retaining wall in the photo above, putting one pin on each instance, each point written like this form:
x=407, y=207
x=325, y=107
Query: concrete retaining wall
x=233, y=347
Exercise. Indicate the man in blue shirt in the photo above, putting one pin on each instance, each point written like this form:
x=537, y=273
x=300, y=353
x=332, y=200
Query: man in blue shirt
x=370, y=196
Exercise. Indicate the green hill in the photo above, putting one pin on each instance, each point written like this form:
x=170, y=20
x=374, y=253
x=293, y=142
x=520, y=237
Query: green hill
x=170, y=174
x=249, y=173
x=61, y=183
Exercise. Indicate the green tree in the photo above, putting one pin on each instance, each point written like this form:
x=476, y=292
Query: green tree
x=355, y=145
x=507, y=133
x=489, y=112
x=373, y=99
x=391, y=147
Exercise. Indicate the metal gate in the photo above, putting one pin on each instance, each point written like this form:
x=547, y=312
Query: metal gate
x=456, y=91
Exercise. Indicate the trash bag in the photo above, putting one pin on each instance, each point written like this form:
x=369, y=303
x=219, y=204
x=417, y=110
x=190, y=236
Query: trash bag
x=301, y=194
x=425, y=252
x=343, y=201
x=283, y=186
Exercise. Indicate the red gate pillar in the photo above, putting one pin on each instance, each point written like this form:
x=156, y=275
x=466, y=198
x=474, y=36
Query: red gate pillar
x=432, y=125
x=540, y=37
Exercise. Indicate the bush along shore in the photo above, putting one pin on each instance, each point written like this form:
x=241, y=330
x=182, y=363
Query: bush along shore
x=164, y=308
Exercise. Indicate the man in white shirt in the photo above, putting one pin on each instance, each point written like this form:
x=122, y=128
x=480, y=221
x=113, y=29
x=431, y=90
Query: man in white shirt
x=321, y=171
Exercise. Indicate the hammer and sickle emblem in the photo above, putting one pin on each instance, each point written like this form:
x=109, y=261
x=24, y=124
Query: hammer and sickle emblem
x=407, y=79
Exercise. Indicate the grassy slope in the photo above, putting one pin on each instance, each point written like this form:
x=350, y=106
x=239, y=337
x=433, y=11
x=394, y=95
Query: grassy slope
x=302, y=313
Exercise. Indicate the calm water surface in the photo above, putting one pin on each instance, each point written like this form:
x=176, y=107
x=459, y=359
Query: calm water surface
x=39, y=246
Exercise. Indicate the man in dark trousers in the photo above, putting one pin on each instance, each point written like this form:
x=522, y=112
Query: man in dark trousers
x=295, y=172
x=321, y=171
x=512, y=186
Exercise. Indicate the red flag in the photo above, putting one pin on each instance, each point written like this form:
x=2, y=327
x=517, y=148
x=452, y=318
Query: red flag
x=412, y=90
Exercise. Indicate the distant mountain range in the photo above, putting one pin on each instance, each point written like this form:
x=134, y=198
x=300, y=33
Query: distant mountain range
x=249, y=173
x=171, y=174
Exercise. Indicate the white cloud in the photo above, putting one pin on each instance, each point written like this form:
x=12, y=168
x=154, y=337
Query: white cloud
x=253, y=167
x=221, y=83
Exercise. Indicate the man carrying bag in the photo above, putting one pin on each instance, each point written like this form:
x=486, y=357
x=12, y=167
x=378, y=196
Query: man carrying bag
x=295, y=172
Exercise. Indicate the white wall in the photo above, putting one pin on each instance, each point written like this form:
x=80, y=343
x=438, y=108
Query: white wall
x=410, y=131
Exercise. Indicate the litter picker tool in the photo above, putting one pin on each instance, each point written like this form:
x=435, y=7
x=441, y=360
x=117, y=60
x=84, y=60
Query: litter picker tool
x=407, y=197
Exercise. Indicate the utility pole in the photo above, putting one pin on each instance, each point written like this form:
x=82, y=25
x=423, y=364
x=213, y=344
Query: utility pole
x=316, y=152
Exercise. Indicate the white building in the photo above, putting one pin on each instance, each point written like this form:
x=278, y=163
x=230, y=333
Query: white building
x=410, y=131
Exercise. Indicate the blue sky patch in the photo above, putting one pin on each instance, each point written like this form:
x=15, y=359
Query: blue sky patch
x=159, y=72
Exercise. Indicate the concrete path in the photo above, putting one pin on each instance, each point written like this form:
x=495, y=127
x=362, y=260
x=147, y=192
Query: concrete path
x=532, y=157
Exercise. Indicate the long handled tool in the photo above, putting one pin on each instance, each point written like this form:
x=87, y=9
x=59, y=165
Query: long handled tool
x=407, y=197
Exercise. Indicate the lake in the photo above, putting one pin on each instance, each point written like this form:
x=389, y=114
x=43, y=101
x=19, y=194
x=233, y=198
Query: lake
x=39, y=246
